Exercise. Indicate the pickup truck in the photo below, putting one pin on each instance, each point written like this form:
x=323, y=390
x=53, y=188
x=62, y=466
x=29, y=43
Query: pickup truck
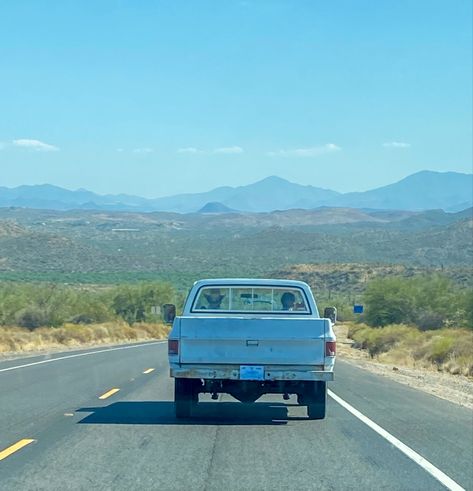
x=248, y=337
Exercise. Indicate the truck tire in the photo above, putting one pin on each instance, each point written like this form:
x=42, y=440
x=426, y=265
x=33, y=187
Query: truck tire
x=185, y=397
x=317, y=401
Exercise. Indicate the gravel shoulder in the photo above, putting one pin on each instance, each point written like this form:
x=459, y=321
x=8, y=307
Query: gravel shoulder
x=454, y=388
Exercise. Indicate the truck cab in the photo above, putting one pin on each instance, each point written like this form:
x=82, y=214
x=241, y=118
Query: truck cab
x=248, y=337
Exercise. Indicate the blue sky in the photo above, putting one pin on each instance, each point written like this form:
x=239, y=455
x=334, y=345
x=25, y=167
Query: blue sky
x=159, y=97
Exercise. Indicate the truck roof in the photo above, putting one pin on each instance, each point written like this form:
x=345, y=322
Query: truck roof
x=251, y=281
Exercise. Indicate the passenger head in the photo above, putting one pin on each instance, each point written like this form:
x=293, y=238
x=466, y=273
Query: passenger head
x=214, y=298
x=288, y=299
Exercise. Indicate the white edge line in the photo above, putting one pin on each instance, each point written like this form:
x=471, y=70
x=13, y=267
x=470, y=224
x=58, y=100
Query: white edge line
x=51, y=360
x=412, y=454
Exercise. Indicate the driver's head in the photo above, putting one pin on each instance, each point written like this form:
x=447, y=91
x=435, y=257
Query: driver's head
x=214, y=298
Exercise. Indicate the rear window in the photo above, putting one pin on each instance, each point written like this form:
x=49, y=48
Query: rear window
x=251, y=299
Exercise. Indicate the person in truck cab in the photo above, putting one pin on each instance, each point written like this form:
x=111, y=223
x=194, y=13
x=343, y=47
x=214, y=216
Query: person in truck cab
x=214, y=299
x=288, y=299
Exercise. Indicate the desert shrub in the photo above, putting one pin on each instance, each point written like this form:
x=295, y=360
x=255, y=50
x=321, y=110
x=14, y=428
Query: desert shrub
x=30, y=317
x=441, y=349
x=426, y=319
x=82, y=319
x=378, y=341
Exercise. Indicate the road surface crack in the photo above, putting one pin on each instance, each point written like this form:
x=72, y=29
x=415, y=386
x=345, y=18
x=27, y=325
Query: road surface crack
x=208, y=472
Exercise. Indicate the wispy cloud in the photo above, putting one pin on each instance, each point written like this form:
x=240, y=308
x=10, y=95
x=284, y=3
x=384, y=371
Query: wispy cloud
x=36, y=145
x=228, y=150
x=306, y=152
x=396, y=145
x=120, y=150
x=143, y=150
x=189, y=150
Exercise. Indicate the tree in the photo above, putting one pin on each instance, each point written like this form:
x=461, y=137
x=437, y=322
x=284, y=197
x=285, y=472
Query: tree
x=389, y=301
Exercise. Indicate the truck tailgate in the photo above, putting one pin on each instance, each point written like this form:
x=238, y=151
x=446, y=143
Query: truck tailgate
x=235, y=340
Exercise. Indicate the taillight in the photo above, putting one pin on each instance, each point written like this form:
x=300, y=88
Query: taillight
x=330, y=348
x=173, y=346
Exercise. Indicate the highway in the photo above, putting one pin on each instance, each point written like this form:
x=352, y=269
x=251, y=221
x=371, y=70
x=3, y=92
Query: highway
x=103, y=419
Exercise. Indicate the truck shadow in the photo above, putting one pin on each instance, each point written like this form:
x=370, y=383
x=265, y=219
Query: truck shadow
x=206, y=413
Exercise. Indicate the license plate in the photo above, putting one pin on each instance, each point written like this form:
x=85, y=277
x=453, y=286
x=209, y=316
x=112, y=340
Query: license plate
x=251, y=372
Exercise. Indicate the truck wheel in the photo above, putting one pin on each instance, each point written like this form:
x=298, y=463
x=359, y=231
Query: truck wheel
x=317, y=401
x=185, y=397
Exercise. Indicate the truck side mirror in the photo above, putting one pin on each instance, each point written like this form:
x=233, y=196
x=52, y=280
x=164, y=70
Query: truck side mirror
x=331, y=313
x=169, y=313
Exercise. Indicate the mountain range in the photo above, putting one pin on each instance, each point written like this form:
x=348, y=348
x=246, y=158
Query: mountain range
x=425, y=190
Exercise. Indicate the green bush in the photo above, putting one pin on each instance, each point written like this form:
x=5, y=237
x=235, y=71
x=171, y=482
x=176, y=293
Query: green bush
x=441, y=349
x=429, y=302
x=389, y=301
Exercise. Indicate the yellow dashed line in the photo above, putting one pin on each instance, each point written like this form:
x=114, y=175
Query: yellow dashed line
x=149, y=370
x=14, y=448
x=109, y=393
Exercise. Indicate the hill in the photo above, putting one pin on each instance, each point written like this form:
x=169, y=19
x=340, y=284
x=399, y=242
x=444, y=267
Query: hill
x=109, y=246
x=216, y=207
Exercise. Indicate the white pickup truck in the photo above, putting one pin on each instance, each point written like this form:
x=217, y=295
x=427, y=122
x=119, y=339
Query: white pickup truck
x=247, y=338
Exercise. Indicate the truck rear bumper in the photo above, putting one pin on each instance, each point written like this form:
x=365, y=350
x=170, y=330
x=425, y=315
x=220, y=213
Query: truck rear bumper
x=233, y=373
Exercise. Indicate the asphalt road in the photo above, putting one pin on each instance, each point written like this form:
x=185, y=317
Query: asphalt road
x=131, y=440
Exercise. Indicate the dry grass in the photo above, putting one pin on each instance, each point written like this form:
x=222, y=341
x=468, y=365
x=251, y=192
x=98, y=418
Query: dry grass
x=448, y=350
x=21, y=340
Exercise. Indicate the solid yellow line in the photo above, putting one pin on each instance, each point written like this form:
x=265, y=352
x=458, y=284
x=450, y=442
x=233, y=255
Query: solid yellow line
x=149, y=370
x=14, y=448
x=109, y=393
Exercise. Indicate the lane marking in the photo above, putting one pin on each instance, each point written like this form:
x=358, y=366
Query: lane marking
x=68, y=414
x=14, y=448
x=412, y=454
x=149, y=370
x=51, y=360
x=109, y=393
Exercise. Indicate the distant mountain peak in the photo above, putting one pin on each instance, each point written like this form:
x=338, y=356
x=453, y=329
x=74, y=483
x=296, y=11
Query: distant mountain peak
x=216, y=207
x=273, y=179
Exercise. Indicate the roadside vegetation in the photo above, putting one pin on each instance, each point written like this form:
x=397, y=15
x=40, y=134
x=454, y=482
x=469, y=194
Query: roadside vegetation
x=420, y=322
x=410, y=318
x=449, y=350
x=52, y=305
x=428, y=302
x=40, y=316
x=23, y=340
